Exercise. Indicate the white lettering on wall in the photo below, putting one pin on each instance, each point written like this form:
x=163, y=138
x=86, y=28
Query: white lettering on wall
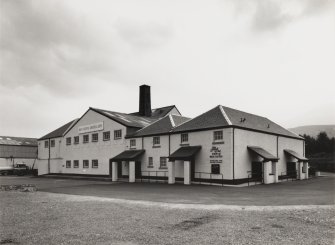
x=91, y=128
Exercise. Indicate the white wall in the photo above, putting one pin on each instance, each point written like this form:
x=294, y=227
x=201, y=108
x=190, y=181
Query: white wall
x=101, y=150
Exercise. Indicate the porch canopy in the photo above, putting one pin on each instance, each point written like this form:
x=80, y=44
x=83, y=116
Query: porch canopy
x=128, y=155
x=295, y=155
x=267, y=156
x=185, y=153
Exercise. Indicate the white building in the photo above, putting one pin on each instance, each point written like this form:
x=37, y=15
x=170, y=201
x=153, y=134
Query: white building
x=222, y=145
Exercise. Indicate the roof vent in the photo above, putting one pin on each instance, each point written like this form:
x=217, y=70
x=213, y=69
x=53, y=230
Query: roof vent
x=242, y=119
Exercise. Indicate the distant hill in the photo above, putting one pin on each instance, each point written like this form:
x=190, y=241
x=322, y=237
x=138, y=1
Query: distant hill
x=314, y=130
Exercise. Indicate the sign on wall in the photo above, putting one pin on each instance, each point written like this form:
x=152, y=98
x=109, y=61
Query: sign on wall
x=91, y=128
x=215, y=156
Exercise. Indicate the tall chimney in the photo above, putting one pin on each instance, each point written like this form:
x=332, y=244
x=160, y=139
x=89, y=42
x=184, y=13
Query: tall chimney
x=145, y=101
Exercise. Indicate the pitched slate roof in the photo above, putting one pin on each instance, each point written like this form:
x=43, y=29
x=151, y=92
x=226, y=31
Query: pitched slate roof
x=126, y=119
x=222, y=116
x=58, y=132
x=9, y=140
x=161, y=126
x=159, y=112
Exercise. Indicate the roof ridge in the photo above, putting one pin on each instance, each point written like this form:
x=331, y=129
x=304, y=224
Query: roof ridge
x=138, y=131
x=172, y=121
x=225, y=115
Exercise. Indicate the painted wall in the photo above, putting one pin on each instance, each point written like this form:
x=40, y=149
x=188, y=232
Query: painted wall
x=55, y=156
x=101, y=150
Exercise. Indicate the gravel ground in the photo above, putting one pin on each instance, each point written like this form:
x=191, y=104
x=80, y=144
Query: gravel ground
x=47, y=218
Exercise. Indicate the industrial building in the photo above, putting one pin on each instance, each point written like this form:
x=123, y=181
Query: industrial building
x=222, y=145
x=17, y=150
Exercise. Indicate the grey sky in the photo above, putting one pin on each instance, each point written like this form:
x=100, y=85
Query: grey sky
x=269, y=57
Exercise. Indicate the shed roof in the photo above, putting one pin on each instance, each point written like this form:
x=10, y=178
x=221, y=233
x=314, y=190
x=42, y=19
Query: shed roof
x=267, y=156
x=9, y=140
x=185, y=153
x=295, y=155
x=128, y=155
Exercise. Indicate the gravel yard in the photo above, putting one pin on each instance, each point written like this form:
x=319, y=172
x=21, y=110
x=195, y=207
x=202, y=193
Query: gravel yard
x=48, y=218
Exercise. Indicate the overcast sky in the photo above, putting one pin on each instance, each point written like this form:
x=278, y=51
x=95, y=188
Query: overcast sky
x=268, y=57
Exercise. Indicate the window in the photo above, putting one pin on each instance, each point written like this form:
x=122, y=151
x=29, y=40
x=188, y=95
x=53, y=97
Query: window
x=163, y=162
x=106, y=135
x=68, y=141
x=68, y=164
x=95, y=163
x=184, y=138
x=132, y=143
x=218, y=135
x=150, y=162
x=215, y=169
x=46, y=144
x=86, y=138
x=117, y=134
x=76, y=164
x=52, y=143
x=156, y=140
x=85, y=164
x=95, y=137
x=76, y=140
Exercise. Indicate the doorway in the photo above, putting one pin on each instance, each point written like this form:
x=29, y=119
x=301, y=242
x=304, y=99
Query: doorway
x=257, y=170
x=138, y=170
x=291, y=169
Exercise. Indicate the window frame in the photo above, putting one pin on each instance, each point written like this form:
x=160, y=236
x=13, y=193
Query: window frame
x=68, y=164
x=68, y=141
x=95, y=161
x=215, y=165
x=93, y=135
x=104, y=136
x=76, y=142
x=218, y=139
x=156, y=141
x=132, y=141
x=150, y=162
x=52, y=143
x=116, y=136
x=74, y=164
x=88, y=163
x=88, y=138
x=164, y=165
x=46, y=144
x=182, y=139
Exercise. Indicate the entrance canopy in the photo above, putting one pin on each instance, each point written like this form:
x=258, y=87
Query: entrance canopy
x=267, y=156
x=185, y=153
x=295, y=155
x=129, y=155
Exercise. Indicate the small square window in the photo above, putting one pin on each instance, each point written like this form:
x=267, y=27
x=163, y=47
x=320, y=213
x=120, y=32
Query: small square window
x=184, y=138
x=106, y=135
x=52, y=143
x=46, y=144
x=95, y=137
x=150, y=162
x=156, y=140
x=163, y=162
x=218, y=135
x=76, y=140
x=86, y=138
x=68, y=164
x=215, y=169
x=85, y=164
x=76, y=164
x=132, y=143
x=68, y=141
x=95, y=163
x=117, y=134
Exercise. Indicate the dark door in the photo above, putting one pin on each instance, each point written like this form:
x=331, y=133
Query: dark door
x=192, y=169
x=119, y=169
x=291, y=169
x=137, y=170
x=110, y=167
x=256, y=170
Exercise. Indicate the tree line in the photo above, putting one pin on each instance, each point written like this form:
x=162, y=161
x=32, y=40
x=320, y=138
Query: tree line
x=321, y=144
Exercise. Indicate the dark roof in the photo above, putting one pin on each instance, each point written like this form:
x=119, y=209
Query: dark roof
x=126, y=119
x=221, y=116
x=185, y=153
x=128, y=155
x=295, y=155
x=161, y=126
x=58, y=132
x=159, y=112
x=9, y=140
x=267, y=156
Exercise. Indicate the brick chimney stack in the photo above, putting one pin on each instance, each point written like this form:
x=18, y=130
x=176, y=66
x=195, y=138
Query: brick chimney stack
x=145, y=101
